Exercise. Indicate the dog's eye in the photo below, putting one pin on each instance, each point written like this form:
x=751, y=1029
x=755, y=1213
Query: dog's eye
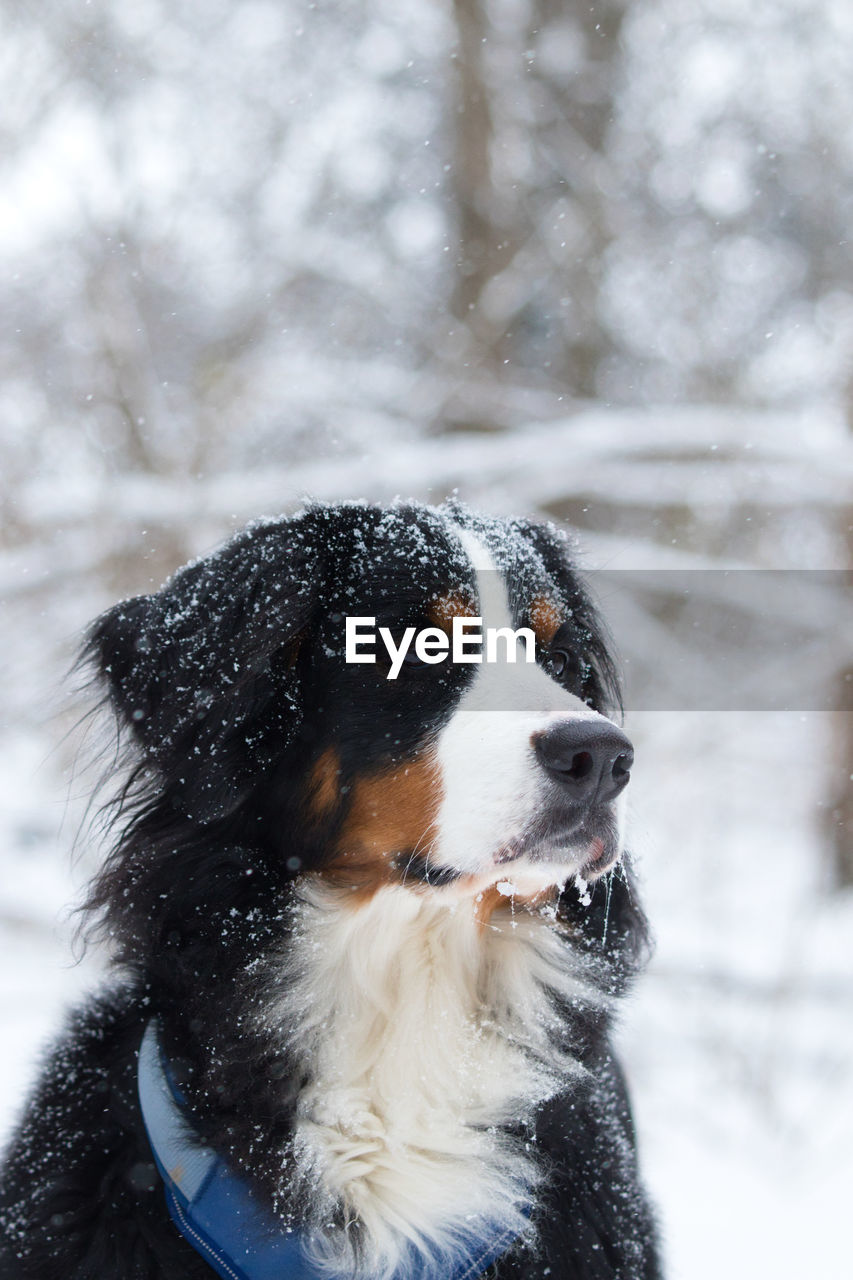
x=560, y=662
x=566, y=668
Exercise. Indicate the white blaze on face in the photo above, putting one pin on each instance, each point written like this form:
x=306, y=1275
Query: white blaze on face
x=493, y=785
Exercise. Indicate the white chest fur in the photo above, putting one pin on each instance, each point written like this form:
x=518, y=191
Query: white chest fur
x=421, y=1032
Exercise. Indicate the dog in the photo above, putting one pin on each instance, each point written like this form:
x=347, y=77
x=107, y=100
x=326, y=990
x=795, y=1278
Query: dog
x=370, y=918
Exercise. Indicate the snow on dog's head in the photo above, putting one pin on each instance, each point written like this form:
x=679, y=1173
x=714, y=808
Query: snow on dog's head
x=235, y=682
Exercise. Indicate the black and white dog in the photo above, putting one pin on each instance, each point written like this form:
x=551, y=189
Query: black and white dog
x=370, y=920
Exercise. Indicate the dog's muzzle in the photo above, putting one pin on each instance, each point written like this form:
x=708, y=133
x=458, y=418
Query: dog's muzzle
x=589, y=762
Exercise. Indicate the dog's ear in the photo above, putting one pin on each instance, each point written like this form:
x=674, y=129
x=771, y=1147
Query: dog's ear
x=119, y=645
x=205, y=672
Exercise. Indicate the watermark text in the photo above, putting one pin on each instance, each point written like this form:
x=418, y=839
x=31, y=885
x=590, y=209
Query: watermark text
x=468, y=641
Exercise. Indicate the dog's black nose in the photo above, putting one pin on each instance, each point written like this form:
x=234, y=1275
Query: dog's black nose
x=591, y=760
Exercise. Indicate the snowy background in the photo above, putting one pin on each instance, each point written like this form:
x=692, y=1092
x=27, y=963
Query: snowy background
x=587, y=262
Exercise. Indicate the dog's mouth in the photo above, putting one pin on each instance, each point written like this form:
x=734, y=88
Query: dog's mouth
x=553, y=849
x=588, y=848
x=602, y=855
x=418, y=868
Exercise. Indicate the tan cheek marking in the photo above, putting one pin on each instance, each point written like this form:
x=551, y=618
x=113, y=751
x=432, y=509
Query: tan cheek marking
x=392, y=812
x=546, y=619
x=491, y=900
x=324, y=785
x=454, y=605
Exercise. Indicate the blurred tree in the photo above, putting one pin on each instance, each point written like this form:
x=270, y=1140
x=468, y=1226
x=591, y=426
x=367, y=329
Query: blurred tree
x=731, y=276
x=840, y=799
x=531, y=180
x=224, y=228
x=840, y=790
x=240, y=234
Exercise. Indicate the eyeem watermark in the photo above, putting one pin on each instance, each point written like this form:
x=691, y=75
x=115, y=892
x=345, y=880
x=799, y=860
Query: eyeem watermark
x=468, y=641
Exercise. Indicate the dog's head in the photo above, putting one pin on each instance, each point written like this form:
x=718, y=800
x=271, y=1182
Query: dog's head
x=256, y=723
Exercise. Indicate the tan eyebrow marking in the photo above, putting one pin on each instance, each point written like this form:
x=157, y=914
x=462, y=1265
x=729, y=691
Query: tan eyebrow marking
x=442, y=611
x=546, y=618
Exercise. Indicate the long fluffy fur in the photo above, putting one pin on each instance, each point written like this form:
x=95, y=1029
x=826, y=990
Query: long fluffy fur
x=394, y=1075
x=430, y=1040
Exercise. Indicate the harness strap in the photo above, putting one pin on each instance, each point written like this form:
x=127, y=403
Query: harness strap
x=218, y=1213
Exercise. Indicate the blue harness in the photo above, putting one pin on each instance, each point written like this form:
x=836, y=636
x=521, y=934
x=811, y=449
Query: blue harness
x=219, y=1214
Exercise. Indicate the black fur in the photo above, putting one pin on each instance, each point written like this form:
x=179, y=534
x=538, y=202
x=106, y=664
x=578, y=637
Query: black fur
x=228, y=686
